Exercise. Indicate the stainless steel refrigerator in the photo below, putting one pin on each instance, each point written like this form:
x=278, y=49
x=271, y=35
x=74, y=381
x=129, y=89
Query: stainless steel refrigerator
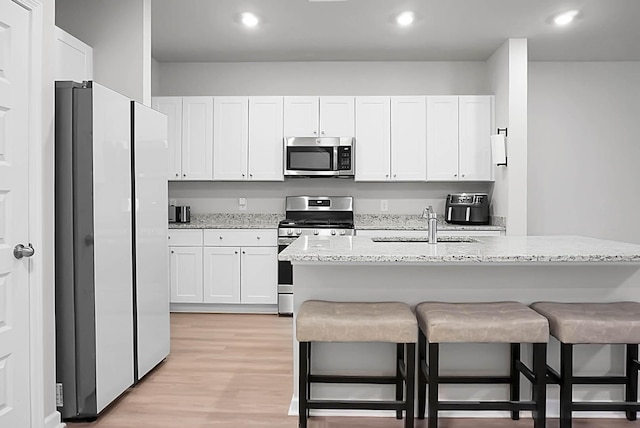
x=112, y=304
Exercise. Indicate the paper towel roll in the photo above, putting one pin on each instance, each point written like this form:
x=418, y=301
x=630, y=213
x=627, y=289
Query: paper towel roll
x=498, y=149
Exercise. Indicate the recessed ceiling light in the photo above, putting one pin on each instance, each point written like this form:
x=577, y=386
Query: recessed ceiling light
x=249, y=19
x=405, y=19
x=565, y=18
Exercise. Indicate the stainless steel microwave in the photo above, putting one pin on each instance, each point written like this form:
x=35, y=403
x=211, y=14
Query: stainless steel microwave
x=319, y=156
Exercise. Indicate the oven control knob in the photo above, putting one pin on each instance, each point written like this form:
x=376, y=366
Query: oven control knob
x=298, y=231
x=289, y=231
x=343, y=232
x=316, y=232
x=333, y=232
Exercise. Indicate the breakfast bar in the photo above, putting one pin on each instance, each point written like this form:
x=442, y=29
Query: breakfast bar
x=525, y=269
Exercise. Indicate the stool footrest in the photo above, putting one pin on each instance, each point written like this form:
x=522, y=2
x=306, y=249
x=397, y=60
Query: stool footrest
x=619, y=406
x=352, y=379
x=473, y=379
x=487, y=405
x=599, y=380
x=356, y=405
x=553, y=377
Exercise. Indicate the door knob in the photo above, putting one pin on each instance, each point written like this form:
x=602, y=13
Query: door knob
x=20, y=251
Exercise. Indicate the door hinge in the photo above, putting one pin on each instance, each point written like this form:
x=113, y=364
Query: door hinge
x=59, y=396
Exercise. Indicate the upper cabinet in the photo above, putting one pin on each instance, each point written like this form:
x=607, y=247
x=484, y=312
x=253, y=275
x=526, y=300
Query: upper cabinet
x=189, y=137
x=390, y=139
x=248, y=138
x=458, y=138
x=319, y=117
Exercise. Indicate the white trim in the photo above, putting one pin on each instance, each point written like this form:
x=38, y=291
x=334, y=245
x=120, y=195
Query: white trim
x=53, y=421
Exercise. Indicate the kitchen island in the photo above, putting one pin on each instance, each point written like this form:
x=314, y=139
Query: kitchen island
x=524, y=269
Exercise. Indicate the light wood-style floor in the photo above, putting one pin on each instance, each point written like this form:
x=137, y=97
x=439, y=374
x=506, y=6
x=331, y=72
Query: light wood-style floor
x=234, y=371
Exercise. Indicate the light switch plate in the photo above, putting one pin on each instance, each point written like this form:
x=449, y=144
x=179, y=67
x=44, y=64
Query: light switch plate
x=384, y=205
x=242, y=204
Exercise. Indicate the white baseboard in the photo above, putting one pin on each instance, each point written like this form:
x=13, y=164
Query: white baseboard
x=228, y=308
x=553, y=411
x=54, y=421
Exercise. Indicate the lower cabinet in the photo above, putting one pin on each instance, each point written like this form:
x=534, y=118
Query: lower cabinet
x=224, y=266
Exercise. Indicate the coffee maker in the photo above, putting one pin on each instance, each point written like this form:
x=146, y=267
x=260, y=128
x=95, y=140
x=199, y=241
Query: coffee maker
x=467, y=208
x=179, y=213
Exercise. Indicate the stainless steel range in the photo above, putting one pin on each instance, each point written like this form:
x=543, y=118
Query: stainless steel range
x=309, y=215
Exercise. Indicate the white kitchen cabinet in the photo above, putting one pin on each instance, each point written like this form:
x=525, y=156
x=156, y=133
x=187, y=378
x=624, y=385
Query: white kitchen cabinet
x=408, y=138
x=373, y=138
x=197, y=138
x=259, y=270
x=185, y=265
x=230, y=138
x=319, y=116
x=265, y=139
x=221, y=275
x=458, y=138
x=172, y=108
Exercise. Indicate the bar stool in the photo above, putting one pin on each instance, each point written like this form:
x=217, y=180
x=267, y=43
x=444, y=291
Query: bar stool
x=498, y=322
x=322, y=321
x=594, y=323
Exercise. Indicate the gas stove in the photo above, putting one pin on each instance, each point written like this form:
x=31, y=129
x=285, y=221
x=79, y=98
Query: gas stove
x=317, y=215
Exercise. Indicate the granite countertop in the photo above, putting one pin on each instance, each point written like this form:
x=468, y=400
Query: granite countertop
x=414, y=222
x=494, y=249
x=230, y=221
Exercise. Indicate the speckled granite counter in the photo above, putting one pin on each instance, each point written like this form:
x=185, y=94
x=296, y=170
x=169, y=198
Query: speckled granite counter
x=413, y=222
x=230, y=221
x=497, y=249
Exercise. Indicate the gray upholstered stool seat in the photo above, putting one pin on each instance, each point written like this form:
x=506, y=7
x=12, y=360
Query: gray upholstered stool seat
x=495, y=322
x=393, y=322
x=320, y=321
x=600, y=323
x=594, y=323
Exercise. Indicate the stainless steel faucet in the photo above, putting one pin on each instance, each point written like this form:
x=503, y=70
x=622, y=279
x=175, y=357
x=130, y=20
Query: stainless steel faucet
x=431, y=215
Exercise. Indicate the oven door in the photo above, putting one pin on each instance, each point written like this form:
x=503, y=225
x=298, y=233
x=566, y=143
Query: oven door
x=285, y=284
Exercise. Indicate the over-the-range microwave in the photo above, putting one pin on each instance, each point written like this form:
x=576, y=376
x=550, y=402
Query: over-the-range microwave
x=319, y=156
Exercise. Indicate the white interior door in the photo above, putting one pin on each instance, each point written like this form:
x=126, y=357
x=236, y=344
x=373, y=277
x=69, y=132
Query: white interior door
x=14, y=226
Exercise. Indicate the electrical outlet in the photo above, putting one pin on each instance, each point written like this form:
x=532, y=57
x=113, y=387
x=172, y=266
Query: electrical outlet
x=242, y=204
x=384, y=205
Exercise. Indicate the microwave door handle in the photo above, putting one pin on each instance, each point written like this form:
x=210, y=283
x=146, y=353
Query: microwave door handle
x=335, y=160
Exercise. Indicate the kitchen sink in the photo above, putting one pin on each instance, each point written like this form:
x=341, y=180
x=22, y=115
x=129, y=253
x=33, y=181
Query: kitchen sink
x=444, y=239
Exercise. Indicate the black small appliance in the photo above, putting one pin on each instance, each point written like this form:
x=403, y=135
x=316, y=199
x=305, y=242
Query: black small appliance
x=467, y=208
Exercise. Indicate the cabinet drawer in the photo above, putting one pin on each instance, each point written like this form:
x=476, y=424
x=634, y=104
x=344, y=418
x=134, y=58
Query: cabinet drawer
x=185, y=238
x=241, y=237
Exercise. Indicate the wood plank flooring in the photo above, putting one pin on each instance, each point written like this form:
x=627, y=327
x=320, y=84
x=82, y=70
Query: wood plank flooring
x=234, y=371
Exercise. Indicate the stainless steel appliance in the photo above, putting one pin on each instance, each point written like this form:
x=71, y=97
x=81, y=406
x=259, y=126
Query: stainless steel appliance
x=111, y=286
x=467, y=208
x=309, y=215
x=179, y=213
x=319, y=156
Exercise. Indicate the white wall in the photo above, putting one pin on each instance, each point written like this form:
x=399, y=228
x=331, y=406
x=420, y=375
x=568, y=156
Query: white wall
x=403, y=198
x=115, y=30
x=155, y=76
x=584, y=149
x=324, y=78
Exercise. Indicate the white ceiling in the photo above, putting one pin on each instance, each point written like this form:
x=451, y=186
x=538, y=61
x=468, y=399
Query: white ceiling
x=364, y=30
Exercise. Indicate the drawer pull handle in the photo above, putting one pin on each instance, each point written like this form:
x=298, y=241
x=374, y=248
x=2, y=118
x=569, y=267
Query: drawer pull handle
x=258, y=237
x=220, y=237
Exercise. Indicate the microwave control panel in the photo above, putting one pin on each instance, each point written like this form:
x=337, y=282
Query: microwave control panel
x=344, y=158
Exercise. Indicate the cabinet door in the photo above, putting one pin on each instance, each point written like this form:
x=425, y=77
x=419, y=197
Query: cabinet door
x=172, y=107
x=197, y=138
x=475, y=127
x=373, y=138
x=408, y=139
x=259, y=273
x=266, y=138
x=185, y=266
x=230, y=138
x=337, y=117
x=301, y=116
x=221, y=275
x=442, y=138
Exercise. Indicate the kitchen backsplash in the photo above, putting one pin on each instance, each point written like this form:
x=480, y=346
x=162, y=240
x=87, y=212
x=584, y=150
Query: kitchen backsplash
x=268, y=197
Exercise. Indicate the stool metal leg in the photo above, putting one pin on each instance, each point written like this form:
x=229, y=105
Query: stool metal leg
x=410, y=383
x=540, y=384
x=514, y=387
x=631, y=390
x=422, y=379
x=399, y=378
x=566, y=384
x=433, y=364
x=303, y=383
